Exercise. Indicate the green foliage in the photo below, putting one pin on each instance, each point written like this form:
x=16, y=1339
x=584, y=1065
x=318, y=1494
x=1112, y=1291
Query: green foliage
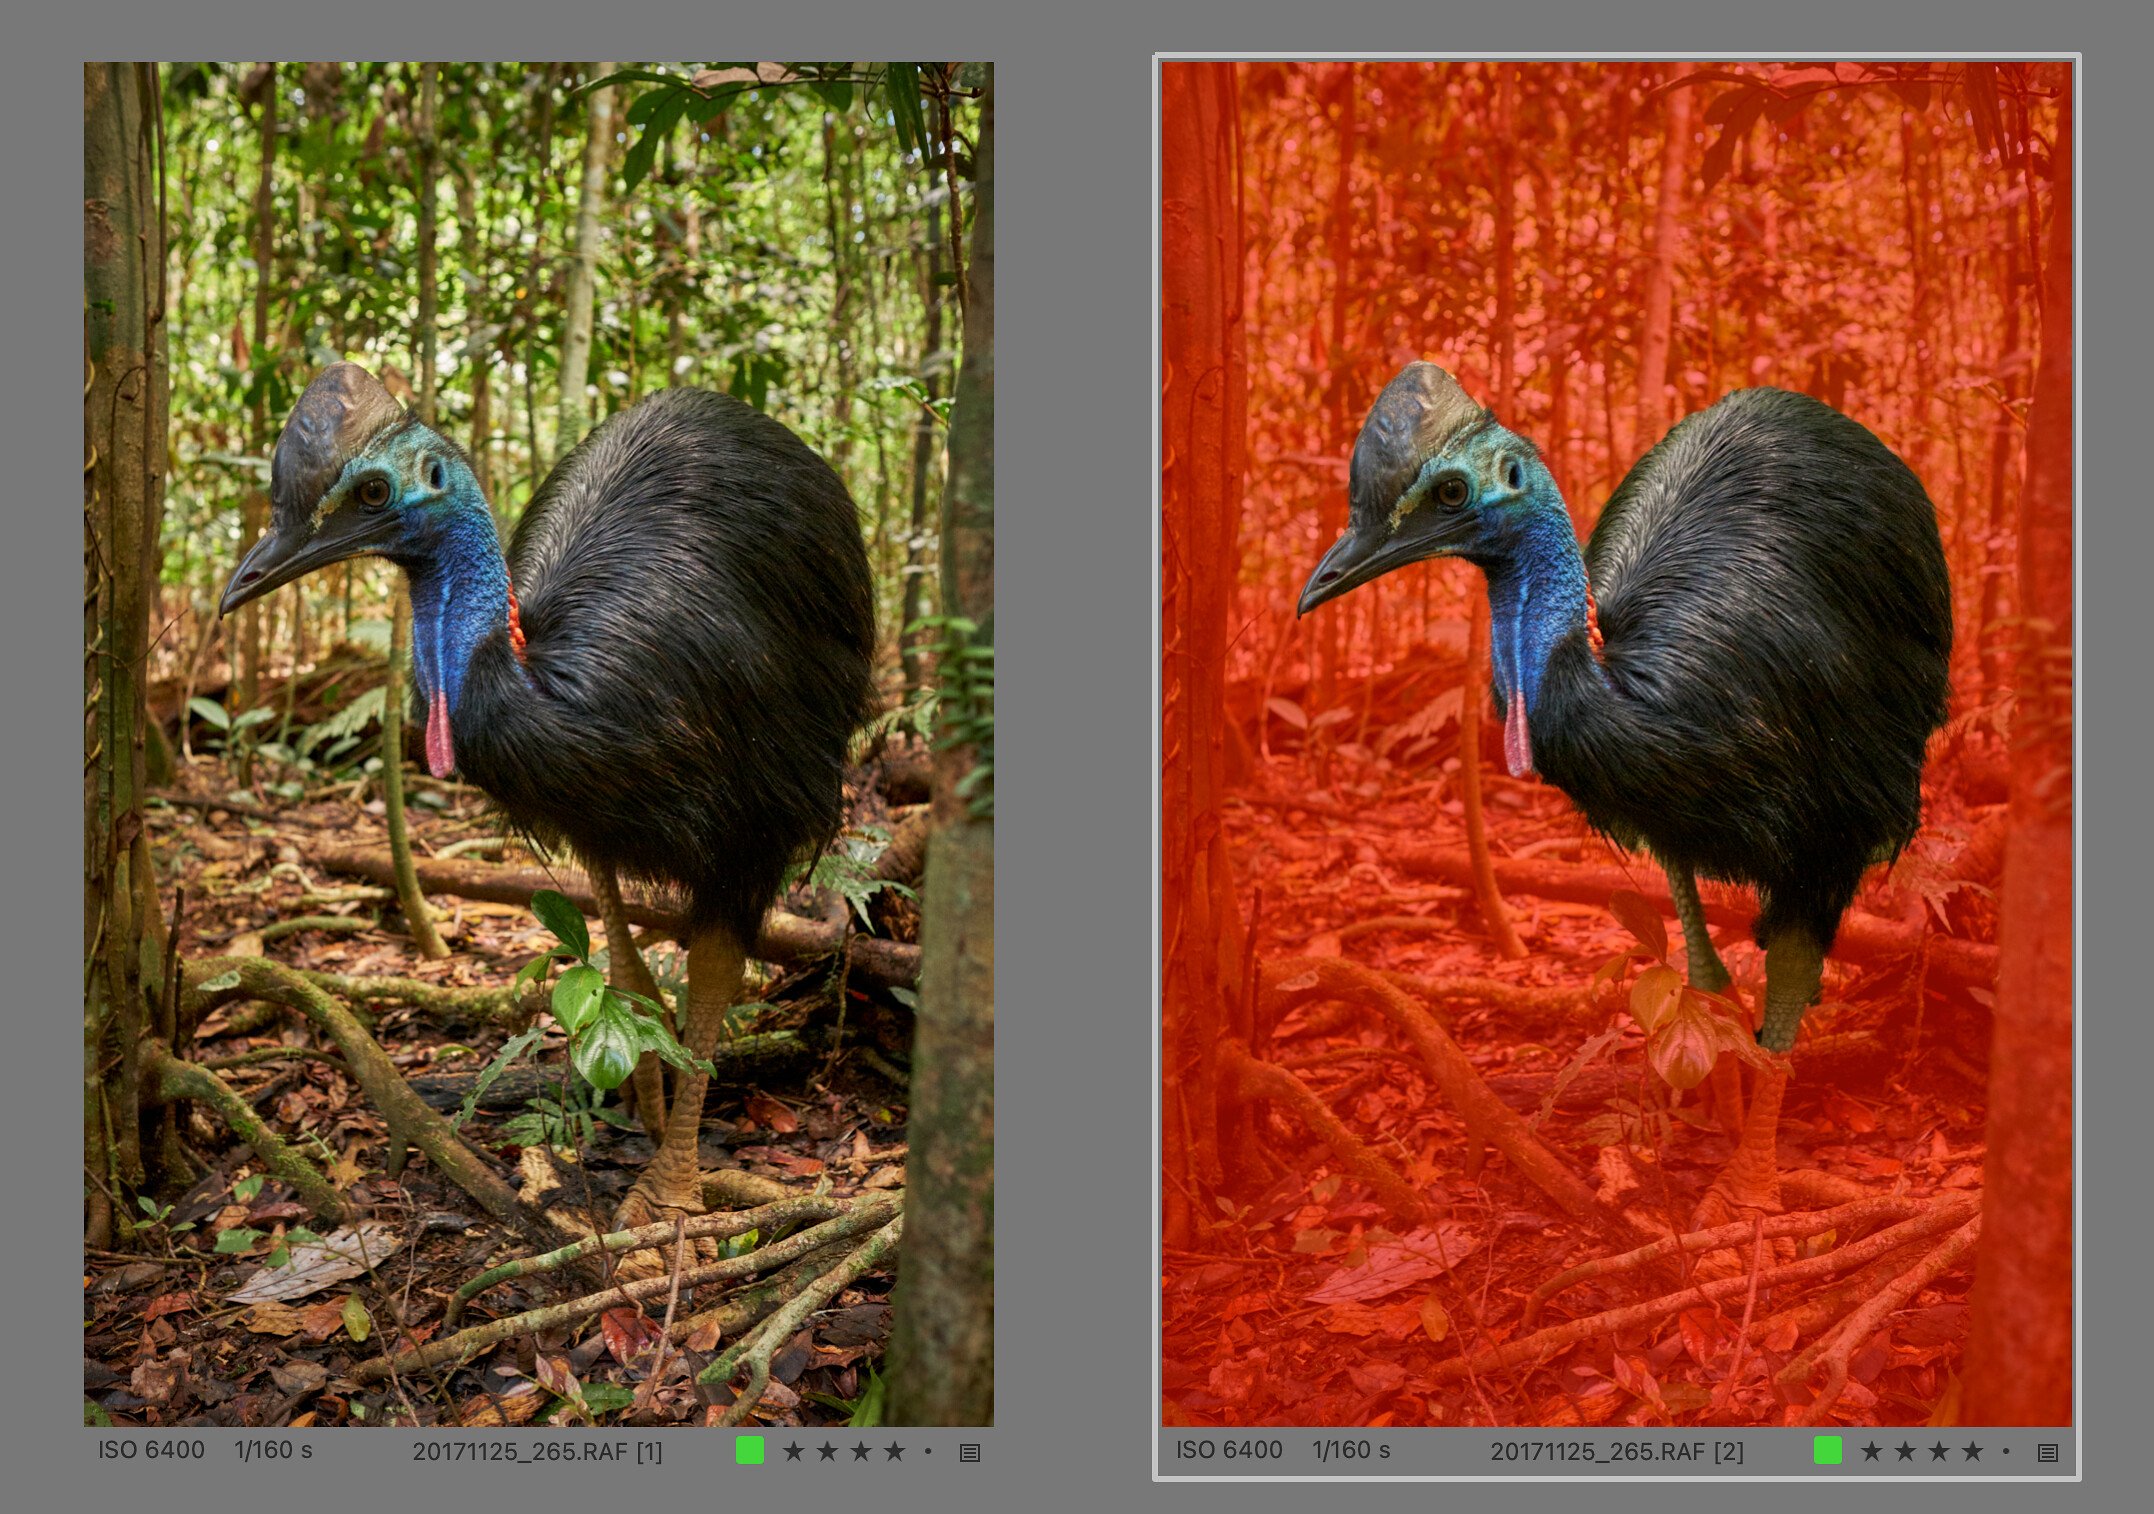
x=766, y=238
x=965, y=669
x=848, y=869
x=864, y=1412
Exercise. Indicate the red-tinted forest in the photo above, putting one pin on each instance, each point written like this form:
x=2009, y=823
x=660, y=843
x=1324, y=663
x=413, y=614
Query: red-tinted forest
x=1409, y=1084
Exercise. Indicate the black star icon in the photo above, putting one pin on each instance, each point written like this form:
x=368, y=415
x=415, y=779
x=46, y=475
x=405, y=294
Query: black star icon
x=860, y=1452
x=792, y=1452
x=1907, y=1452
x=1869, y=1452
x=1937, y=1452
x=894, y=1451
x=827, y=1451
x=1974, y=1452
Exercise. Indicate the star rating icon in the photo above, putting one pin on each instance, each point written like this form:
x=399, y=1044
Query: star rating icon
x=827, y=1451
x=860, y=1451
x=1907, y=1452
x=1974, y=1452
x=1939, y=1451
x=792, y=1452
x=894, y=1451
x=1869, y=1452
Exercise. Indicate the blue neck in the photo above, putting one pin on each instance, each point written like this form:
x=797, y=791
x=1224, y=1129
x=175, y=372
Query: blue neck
x=1536, y=595
x=459, y=591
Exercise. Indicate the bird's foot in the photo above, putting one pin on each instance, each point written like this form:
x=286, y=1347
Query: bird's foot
x=644, y=1206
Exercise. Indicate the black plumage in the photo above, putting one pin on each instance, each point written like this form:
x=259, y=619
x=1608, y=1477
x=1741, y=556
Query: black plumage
x=1778, y=628
x=700, y=629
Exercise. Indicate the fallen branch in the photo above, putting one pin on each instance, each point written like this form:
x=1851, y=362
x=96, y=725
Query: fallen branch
x=786, y=938
x=1542, y=1344
x=1867, y=1212
x=720, y=1226
x=1836, y=1349
x=1862, y=938
x=799, y=1250
x=755, y=1349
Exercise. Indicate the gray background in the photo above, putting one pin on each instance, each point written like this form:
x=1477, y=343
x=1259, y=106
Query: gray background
x=1075, y=1279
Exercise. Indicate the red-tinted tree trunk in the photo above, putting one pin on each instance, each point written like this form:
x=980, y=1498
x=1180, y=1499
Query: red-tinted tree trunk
x=1202, y=452
x=2019, y=1352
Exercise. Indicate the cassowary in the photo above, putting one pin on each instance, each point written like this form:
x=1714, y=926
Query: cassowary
x=663, y=673
x=1740, y=673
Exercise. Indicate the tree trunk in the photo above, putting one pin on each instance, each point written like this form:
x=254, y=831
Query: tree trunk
x=124, y=428
x=583, y=272
x=2019, y=1348
x=254, y=509
x=429, y=311
x=942, y=1339
x=1204, y=442
x=417, y=917
x=913, y=601
x=477, y=245
x=1660, y=284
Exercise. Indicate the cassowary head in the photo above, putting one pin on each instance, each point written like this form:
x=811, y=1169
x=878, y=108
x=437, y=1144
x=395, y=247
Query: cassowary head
x=1433, y=475
x=354, y=474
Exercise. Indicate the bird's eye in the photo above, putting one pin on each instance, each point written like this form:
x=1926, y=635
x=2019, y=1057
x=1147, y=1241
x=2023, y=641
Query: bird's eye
x=1514, y=475
x=374, y=493
x=1451, y=492
x=434, y=475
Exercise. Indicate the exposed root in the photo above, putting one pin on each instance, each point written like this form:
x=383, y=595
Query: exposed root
x=1452, y=1071
x=1262, y=1080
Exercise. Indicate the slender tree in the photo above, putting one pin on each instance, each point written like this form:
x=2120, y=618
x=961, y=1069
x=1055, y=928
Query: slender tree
x=583, y=271
x=942, y=1338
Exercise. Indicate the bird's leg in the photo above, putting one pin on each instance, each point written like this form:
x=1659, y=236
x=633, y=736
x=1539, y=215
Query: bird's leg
x=1706, y=969
x=1794, y=967
x=673, y=1180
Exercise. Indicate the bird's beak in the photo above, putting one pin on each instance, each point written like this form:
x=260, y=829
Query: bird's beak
x=1361, y=555
x=282, y=556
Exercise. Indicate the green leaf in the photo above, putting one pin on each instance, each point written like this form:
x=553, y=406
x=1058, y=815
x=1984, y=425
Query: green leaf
x=901, y=82
x=663, y=120
x=836, y=93
x=93, y=1413
x=246, y=1188
x=211, y=711
x=515, y=1048
x=219, y=983
x=253, y=717
x=605, y=1053
x=576, y=997
x=358, y=1324
x=531, y=972
x=146, y=1204
x=604, y=1398
x=563, y=919
x=238, y=1240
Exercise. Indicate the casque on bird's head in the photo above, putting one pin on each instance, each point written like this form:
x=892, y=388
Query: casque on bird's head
x=1433, y=475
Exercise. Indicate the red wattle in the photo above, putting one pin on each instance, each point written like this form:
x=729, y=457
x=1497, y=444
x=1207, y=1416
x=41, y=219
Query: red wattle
x=440, y=749
x=1517, y=743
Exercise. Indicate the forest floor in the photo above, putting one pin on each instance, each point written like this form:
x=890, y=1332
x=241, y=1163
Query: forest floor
x=165, y=1344
x=1306, y=1305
